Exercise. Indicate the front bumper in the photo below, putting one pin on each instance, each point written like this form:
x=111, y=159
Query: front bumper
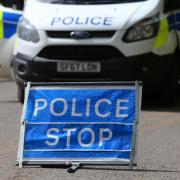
x=149, y=68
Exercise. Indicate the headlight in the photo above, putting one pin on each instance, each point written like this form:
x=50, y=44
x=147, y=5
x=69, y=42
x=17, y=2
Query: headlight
x=26, y=31
x=146, y=29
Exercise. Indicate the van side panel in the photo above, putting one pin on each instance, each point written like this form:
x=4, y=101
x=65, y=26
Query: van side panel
x=177, y=20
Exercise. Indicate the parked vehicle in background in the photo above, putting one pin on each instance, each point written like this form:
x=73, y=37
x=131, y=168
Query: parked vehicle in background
x=9, y=16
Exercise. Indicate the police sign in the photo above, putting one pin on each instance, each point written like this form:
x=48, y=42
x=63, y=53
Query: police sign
x=85, y=122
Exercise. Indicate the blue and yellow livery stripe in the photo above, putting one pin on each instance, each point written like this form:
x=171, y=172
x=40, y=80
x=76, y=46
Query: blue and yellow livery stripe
x=172, y=22
x=163, y=34
x=8, y=24
x=1, y=24
x=177, y=17
x=10, y=21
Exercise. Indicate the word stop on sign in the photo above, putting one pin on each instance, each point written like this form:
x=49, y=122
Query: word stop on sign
x=85, y=137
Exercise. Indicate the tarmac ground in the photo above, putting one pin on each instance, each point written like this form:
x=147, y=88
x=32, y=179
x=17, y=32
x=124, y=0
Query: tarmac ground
x=159, y=146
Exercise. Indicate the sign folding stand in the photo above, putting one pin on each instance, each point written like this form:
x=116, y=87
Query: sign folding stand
x=107, y=154
x=23, y=126
x=135, y=126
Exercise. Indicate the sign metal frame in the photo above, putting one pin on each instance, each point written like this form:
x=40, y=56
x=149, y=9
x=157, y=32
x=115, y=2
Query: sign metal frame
x=21, y=161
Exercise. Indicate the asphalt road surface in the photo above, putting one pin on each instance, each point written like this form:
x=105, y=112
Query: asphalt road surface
x=159, y=146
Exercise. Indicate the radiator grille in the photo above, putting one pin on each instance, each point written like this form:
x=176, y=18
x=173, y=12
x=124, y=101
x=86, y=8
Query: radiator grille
x=92, y=34
x=80, y=53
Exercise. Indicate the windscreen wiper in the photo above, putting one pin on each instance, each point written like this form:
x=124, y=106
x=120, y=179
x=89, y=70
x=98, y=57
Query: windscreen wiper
x=56, y=1
x=91, y=1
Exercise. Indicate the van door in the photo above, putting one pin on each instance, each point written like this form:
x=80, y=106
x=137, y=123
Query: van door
x=10, y=12
x=176, y=13
x=177, y=18
x=172, y=9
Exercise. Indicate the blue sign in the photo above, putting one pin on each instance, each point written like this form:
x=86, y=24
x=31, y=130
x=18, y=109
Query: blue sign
x=79, y=123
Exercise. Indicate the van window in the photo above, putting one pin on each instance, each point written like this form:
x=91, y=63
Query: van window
x=168, y=5
x=171, y=5
x=177, y=4
x=88, y=2
x=15, y=4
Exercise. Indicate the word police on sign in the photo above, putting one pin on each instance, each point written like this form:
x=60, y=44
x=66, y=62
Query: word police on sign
x=86, y=110
x=87, y=122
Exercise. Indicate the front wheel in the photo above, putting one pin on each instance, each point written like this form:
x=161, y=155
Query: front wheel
x=170, y=88
x=164, y=92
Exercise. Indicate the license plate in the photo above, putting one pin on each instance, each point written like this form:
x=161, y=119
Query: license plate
x=69, y=66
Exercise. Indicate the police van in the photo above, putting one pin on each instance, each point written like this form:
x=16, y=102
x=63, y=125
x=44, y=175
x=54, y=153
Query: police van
x=100, y=40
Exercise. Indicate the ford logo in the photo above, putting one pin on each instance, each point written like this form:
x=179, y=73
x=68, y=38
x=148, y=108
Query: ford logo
x=80, y=35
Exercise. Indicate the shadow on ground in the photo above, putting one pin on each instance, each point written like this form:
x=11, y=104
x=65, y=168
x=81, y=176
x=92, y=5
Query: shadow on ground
x=148, y=106
x=107, y=168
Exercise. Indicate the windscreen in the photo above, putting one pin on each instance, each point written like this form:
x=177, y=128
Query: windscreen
x=88, y=2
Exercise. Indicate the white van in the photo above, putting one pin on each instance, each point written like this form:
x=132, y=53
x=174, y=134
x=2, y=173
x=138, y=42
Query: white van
x=90, y=40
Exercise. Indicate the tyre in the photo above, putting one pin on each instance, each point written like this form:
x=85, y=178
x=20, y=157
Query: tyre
x=164, y=93
x=170, y=87
x=12, y=70
x=20, y=94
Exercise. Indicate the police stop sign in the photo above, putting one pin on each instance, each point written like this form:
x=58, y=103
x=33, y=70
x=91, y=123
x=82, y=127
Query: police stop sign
x=94, y=123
